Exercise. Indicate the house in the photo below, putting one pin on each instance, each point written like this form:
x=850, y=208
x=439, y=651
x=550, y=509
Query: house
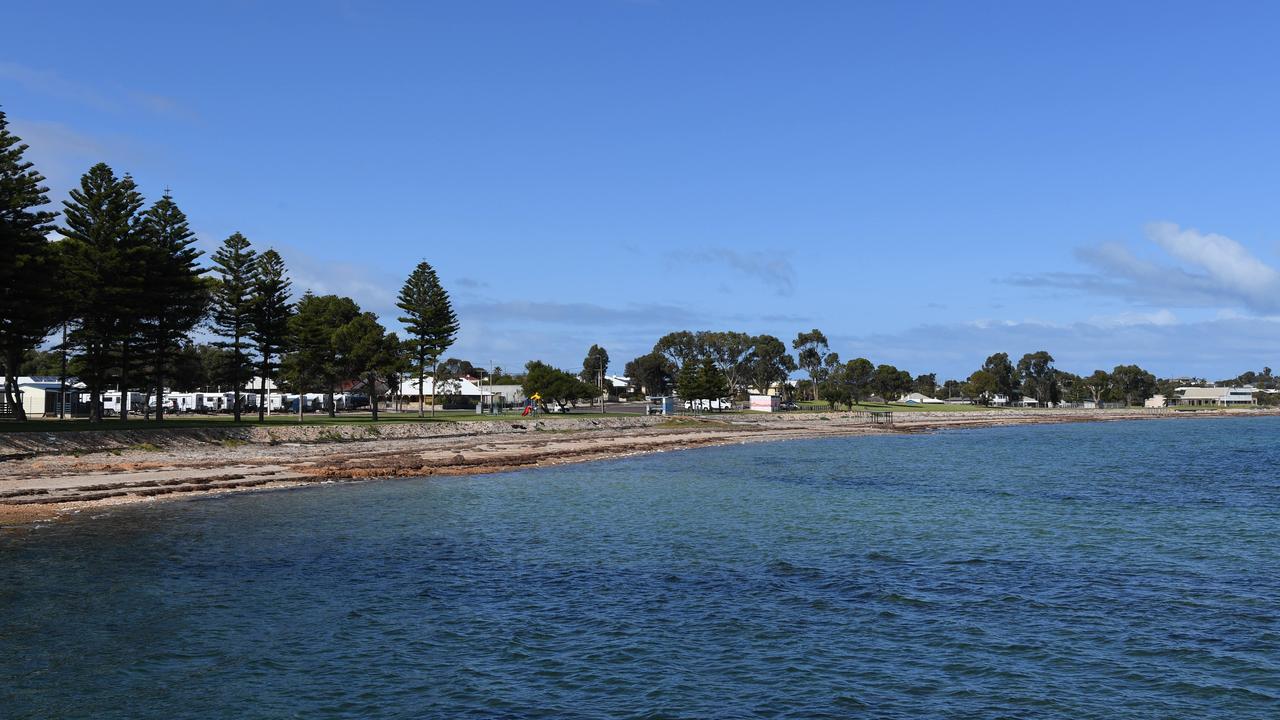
x=916, y=398
x=39, y=395
x=618, y=386
x=1155, y=401
x=1214, y=396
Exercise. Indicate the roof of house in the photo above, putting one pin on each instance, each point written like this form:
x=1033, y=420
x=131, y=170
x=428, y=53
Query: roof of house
x=447, y=387
x=48, y=380
x=1211, y=393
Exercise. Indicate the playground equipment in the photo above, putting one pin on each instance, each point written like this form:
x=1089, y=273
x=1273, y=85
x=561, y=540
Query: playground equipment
x=530, y=407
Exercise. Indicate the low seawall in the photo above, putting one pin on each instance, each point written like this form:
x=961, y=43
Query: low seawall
x=27, y=444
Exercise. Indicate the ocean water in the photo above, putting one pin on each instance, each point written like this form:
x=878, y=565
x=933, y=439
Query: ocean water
x=1119, y=570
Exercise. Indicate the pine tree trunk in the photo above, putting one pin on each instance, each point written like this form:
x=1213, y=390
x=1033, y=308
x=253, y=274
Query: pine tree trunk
x=422, y=374
x=262, y=389
x=159, y=397
x=124, y=381
x=159, y=379
x=11, y=389
x=333, y=412
x=236, y=359
x=62, y=379
x=373, y=396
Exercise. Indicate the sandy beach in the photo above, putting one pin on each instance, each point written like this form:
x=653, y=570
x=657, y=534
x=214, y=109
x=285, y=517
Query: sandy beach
x=52, y=475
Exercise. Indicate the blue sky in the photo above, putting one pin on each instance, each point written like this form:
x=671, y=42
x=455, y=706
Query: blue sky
x=927, y=183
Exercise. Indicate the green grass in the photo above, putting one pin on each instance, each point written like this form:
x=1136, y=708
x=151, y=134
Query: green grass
x=811, y=406
x=278, y=420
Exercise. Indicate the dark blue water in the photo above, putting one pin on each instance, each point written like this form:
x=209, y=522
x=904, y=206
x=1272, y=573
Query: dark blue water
x=1123, y=570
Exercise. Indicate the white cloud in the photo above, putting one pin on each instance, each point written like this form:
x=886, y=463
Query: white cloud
x=1159, y=317
x=773, y=269
x=1209, y=270
x=1216, y=348
x=52, y=84
x=1221, y=258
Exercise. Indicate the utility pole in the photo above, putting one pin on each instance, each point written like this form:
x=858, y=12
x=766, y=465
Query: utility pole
x=435, y=377
x=603, y=394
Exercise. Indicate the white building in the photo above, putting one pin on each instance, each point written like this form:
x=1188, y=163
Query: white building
x=916, y=398
x=465, y=388
x=1215, y=396
x=39, y=394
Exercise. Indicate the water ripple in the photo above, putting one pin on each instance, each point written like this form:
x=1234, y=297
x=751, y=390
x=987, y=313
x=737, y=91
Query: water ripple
x=1047, y=572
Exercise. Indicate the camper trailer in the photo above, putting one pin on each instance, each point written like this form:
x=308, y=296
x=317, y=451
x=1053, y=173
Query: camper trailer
x=114, y=401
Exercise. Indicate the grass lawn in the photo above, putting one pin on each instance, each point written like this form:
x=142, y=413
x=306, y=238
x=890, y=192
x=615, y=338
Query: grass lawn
x=277, y=419
x=819, y=406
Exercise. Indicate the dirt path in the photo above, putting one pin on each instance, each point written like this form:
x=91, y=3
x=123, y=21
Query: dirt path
x=43, y=481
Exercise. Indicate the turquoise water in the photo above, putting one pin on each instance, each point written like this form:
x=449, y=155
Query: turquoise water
x=1121, y=570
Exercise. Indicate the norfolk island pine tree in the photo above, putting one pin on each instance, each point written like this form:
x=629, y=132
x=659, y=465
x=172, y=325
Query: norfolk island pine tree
x=29, y=302
x=429, y=321
x=232, y=304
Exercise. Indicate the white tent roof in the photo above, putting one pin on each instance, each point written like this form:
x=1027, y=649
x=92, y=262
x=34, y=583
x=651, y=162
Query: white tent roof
x=253, y=384
x=447, y=387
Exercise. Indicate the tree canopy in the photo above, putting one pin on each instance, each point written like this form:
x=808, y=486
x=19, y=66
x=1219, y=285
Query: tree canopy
x=29, y=290
x=555, y=385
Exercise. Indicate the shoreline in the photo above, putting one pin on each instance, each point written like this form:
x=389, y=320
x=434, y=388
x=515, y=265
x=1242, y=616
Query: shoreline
x=69, y=476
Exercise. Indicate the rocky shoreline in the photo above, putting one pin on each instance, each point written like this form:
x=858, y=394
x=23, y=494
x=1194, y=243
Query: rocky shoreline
x=50, y=475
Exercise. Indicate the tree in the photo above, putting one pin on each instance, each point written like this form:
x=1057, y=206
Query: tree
x=315, y=359
x=40, y=362
x=554, y=385
x=1097, y=384
x=654, y=372
x=729, y=351
x=859, y=375
x=430, y=321
x=926, y=385
x=678, y=348
x=269, y=314
x=176, y=293
x=594, y=365
x=1003, y=375
x=29, y=292
x=702, y=380
x=235, y=263
x=835, y=388
x=1132, y=382
x=360, y=347
x=1071, y=387
x=813, y=356
x=100, y=251
x=768, y=363
x=888, y=382
x=1039, y=377
x=392, y=365
x=981, y=386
